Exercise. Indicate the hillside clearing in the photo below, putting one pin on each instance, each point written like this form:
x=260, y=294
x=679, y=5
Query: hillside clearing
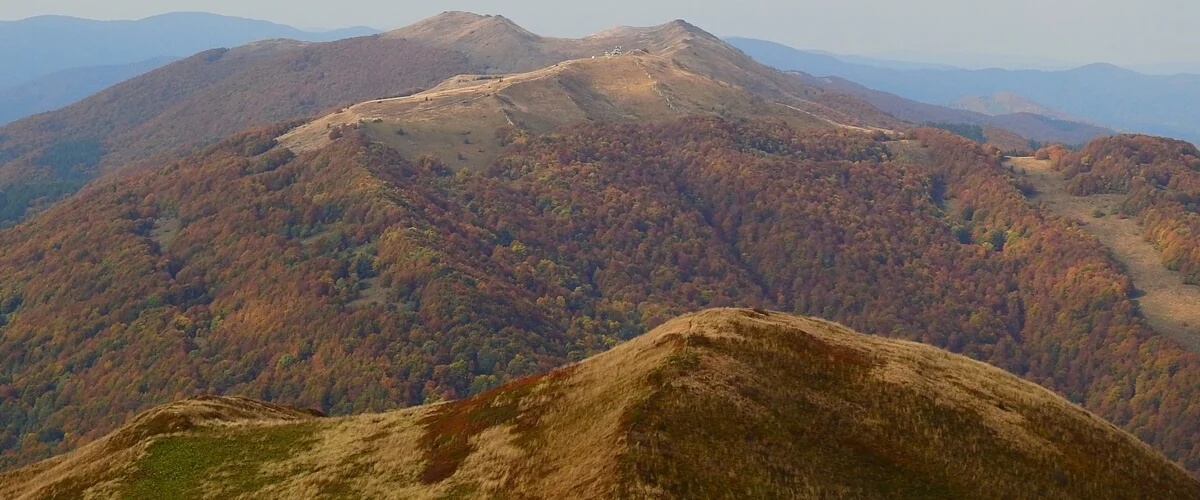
x=1170, y=306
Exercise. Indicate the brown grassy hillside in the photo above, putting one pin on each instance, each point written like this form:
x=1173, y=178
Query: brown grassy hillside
x=457, y=120
x=499, y=46
x=729, y=403
x=497, y=43
x=665, y=72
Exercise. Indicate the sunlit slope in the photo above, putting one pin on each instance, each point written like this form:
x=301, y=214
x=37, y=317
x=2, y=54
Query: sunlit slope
x=457, y=120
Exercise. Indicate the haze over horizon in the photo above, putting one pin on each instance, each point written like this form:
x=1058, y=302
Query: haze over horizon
x=1025, y=33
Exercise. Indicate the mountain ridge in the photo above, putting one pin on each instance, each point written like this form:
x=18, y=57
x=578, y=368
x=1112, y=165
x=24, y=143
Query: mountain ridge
x=359, y=275
x=663, y=72
x=198, y=100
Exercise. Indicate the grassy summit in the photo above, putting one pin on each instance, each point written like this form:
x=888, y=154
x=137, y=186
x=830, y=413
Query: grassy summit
x=727, y=403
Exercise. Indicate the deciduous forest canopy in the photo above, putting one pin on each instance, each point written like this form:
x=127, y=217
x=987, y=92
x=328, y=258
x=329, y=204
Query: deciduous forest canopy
x=352, y=279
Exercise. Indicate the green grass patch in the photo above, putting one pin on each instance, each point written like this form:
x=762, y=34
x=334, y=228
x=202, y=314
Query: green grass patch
x=181, y=467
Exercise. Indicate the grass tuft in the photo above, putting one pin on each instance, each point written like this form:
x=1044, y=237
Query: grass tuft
x=182, y=467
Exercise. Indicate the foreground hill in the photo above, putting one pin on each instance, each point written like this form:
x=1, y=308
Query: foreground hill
x=349, y=277
x=732, y=403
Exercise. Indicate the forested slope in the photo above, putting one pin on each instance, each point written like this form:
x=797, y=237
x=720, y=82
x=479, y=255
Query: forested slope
x=1161, y=177
x=349, y=278
x=199, y=100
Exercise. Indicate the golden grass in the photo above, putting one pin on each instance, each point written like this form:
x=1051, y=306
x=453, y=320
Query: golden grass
x=808, y=406
x=456, y=121
x=720, y=404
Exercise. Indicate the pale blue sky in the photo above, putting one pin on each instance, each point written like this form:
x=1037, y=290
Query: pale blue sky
x=1070, y=31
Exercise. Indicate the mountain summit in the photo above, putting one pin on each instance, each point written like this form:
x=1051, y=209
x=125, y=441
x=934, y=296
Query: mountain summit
x=725, y=403
x=491, y=43
x=208, y=96
x=624, y=74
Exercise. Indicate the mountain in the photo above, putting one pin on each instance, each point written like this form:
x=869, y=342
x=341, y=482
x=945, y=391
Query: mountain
x=1031, y=126
x=65, y=87
x=867, y=60
x=1022, y=120
x=50, y=44
x=1167, y=68
x=457, y=121
x=350, y=277
x=417, y=247
x=724, y=403
x=210, y=95
x=493, y=42
x=665, y=73
x=1098, y=93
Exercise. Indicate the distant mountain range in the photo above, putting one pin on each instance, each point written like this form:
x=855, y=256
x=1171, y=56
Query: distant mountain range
x=1028, y=125
x=1099, y=93
x=60, y=60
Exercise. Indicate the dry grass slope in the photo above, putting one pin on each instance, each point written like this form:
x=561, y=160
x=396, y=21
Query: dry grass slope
x=538, y=84
x=720, y=404
x=457, y=120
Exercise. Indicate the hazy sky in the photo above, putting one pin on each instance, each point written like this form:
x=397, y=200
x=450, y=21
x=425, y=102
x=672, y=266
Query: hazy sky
x=1070, y=31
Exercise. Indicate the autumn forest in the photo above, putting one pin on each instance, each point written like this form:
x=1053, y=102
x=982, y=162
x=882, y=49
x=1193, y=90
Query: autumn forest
x=352, y=279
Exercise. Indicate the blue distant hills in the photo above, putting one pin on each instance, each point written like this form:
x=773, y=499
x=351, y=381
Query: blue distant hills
x=51, y=61
x=1104, y=94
